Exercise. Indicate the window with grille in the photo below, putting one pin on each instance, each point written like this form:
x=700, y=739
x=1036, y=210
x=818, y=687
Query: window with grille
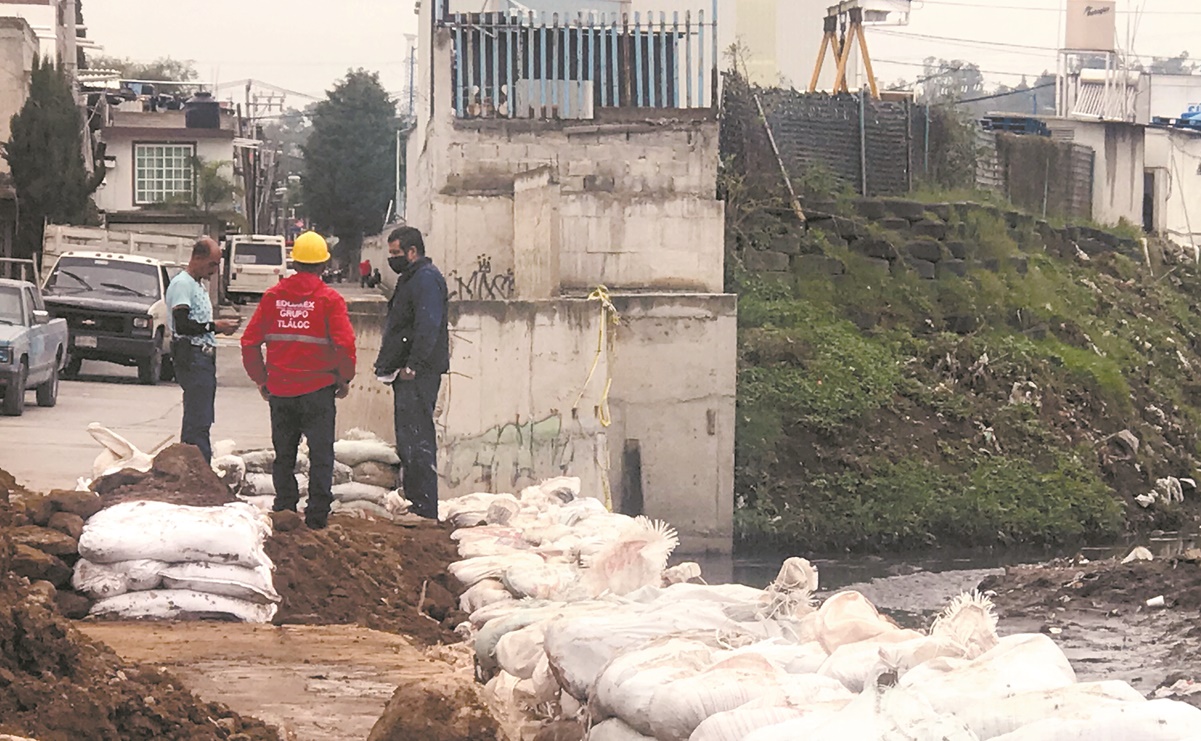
x=163, y=172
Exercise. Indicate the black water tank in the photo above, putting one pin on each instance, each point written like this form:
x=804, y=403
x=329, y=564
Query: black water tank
x=202, y=112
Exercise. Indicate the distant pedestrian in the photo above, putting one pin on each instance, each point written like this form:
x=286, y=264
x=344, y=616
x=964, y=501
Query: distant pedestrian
x=364, y=273
x=310, y=361
x=194, y=343
x=414, y=353
x=375, y=279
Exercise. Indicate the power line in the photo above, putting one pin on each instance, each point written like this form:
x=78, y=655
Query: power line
x=966, y=42
x=950, y=3
x=1005, y=95
x=1011, y=73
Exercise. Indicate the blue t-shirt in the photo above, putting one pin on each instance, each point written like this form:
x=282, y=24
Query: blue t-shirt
x=185, y=290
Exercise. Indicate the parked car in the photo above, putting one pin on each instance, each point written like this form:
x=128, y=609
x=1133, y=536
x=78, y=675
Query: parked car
x=33, y=347
x=116, y=310
x=256, y=263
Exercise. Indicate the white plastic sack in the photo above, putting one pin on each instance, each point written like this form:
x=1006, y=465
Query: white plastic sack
x=172, y=603
x=471, y=570
x=375, y=474
x=98, y=580
x=1155, y=720
x=545, y=581
x=1026, y=662
x=482, y=594
x=343, y=474
x=222, y=448
x=259, y=461
x=357, y=492
x=734, y=725
x=855, y=664
x=252, y=585
x=231, y=469
x=989, y=717
x=233, y=533
x=369, y=510
x=518, y=652
x=354, y=452
x=848, y=617
x=872, y=716
x=615, y=730
x=262, y=484
x=261, y=503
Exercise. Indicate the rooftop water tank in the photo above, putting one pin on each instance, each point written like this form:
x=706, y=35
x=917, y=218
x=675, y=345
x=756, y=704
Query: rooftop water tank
x=201, y=111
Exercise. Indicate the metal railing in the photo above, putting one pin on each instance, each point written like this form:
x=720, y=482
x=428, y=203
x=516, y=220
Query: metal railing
x=518, y=64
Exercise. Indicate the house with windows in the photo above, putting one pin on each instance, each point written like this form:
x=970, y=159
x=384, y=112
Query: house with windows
x=152, y=160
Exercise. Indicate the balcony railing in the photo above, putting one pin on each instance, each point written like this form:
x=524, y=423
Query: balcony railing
x=521, y=65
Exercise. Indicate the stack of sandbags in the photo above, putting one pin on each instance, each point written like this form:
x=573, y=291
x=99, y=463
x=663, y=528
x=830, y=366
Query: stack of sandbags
x=154, y=559
x=366, y=471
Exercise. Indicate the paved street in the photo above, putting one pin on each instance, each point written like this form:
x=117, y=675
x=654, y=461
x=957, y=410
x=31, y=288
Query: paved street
x=50, y=448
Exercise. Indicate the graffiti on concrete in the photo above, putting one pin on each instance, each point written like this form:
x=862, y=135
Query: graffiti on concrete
x=482, y=284
x=514, y=455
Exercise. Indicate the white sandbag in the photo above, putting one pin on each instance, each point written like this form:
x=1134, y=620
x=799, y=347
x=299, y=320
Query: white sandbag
x=635, y=558
x=471, y=570
x=519, y=651
x=989, y=717
x=501, y=512
x=471, y=509
x=358, y=433
x=790, y=657
x=626, y=688
x=259, y=484
x=222, y=448
x=369, y=510
x=615, y=730
x=173, y=603
x=1026, y=662
x=482, y=594
x=681, y=573
x=356, y=492
x=118, y=453
x=848, y=617
x=252, y=585
x=578, y=510
x=231, y=469
x=259, y=461
x=99, y=580
x=489, y=541
x=343, y=474
x=871, y=716
x=734, y=725
x=680, y=706
x=540, y=581
x=233, y=533
x=1155, y=720
x=374, y=473
x=261, y=503
x=855, y=664
x=563, y=488
x=354, y=452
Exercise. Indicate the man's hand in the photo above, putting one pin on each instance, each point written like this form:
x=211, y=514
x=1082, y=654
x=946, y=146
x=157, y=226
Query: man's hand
x=407, y=374
x=227, y=326
x=342, y=391
x=263, y=392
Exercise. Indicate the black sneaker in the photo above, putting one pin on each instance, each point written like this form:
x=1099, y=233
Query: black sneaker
x=316, y=522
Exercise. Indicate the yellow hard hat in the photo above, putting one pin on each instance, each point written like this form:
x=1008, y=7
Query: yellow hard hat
x=310, y=248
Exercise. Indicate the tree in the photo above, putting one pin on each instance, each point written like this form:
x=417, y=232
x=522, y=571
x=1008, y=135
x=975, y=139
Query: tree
x=45, y=154
x=349, y=161
x=949, y=81
x=215, y=193
x=165, y=68
x=1177, y=65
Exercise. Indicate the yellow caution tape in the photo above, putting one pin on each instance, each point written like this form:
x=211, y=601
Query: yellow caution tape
x=609, y=316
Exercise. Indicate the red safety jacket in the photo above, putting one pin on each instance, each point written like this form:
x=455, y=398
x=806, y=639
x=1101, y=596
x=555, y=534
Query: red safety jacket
x=310, y=343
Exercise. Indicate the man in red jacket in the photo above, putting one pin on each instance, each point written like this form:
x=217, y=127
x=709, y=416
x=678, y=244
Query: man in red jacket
x=310, y=361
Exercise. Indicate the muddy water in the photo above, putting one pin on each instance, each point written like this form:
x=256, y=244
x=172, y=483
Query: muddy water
x=912, y=588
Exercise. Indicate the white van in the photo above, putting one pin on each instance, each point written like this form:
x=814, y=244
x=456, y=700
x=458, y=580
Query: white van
x=256, y=262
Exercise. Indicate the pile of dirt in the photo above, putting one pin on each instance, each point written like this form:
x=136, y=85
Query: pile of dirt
x=180, y=475
x=377, y=574
x=56, y=684
x=1105, y=586
x=440, y=702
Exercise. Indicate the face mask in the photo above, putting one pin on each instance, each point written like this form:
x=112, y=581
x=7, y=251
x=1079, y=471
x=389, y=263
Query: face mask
x=398, y=263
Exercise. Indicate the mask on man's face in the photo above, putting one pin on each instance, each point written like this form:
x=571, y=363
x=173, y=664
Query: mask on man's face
x=398, y=263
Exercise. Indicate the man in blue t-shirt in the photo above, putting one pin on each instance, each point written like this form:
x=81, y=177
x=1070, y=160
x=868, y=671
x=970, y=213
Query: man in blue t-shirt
x=194, y=343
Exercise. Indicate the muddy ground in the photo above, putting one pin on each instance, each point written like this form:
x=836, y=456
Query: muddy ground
x=1098, y=613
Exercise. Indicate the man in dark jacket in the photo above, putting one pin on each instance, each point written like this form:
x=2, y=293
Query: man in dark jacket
x=413, y=355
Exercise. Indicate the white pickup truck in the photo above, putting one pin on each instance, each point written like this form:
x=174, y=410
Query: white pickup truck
x=33, y=347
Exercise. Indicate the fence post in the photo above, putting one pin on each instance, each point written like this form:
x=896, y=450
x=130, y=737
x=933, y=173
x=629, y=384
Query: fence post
x=688, y=58
x=663, y=60
x=638, y=57
x=863, y=142
x=458, y=68
x=700, y=59
x=926, y=149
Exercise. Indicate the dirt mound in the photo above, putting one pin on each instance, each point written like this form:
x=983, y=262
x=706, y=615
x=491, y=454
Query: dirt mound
x=57, y=685
x=179, y=475
x=376, y=574
x=1105, y=586
x=445, y=707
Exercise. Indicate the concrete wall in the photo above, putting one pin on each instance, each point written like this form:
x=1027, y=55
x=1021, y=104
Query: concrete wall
x=1118, y=167
x=116, y=193
x=1174, y=157
x=18, y=47
x=652, y=184
x=508, y=415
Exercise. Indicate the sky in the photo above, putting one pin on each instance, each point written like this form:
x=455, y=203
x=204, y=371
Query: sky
x=306, y=45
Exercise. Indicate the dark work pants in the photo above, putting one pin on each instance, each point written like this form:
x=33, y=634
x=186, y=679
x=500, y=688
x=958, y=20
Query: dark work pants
x=417, y=441
x=196, y=373
x=311, y=415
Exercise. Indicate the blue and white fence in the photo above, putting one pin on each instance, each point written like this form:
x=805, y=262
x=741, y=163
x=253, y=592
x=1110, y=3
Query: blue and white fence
x=522, y=65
